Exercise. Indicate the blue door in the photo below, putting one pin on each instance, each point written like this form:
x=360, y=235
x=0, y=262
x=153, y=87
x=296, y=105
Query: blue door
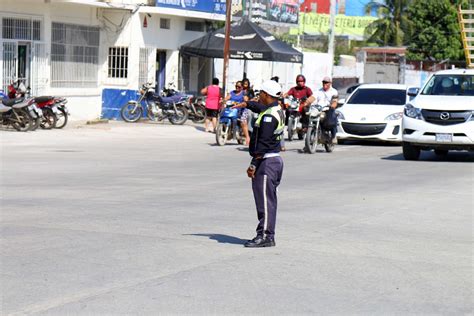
x=160, y=69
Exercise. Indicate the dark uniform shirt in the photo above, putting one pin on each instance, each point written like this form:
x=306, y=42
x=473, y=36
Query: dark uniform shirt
x=264, y=140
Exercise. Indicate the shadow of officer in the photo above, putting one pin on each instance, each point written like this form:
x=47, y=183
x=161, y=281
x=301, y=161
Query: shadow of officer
x=266, y=167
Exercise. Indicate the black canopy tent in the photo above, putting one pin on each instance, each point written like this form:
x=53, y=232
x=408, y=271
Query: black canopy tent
x=248, y=41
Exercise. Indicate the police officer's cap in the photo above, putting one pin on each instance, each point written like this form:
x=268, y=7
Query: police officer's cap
x=271, y=88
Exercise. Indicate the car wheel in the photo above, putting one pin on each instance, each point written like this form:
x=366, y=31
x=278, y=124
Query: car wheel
x=411, y=152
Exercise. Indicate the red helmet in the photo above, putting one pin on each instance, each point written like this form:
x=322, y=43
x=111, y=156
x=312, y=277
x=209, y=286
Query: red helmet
x=300, y=78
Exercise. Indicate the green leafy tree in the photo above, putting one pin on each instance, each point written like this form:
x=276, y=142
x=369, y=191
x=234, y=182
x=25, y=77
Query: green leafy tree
x=436, y=33
x=393, y=24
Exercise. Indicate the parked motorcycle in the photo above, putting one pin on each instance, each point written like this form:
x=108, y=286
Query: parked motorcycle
x=18, y=90
x=14, y=112
x=197, y=109
x=294, y=118
x=196, y=106
x=158, y=107
x=52, y=113
x=228, y=127
x=317, y=134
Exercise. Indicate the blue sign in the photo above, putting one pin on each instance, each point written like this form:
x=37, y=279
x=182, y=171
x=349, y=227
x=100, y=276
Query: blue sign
x=209, y=6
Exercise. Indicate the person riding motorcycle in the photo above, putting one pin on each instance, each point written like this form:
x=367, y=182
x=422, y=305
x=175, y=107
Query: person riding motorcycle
x=301, y=92
x=236, y=95
x=327, y=96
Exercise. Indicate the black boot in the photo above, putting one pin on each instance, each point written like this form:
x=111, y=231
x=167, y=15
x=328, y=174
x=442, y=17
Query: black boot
x=259, y=241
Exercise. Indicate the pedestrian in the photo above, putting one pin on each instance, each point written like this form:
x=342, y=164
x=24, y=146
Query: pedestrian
x=266, y=167
x=213, y=100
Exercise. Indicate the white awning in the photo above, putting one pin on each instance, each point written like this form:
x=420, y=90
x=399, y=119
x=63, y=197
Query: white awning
x=182, y=13
x=99, y=4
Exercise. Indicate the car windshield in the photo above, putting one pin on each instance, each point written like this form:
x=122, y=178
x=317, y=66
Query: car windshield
x=379, y=96
x=450, y=85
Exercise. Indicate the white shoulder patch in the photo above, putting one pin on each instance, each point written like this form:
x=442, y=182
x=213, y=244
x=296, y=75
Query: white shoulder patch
x=267, y=119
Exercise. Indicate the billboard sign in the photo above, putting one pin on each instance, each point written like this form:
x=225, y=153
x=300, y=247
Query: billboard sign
x=208, y=6
x=318, y=24
x=282, y=11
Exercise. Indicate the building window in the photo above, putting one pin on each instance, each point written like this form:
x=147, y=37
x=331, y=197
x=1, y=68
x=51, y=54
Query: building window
x=74, y=55
x=165, y=23
x=194, y=26
x=118, y=62
x=21, y=29
x=145, y=65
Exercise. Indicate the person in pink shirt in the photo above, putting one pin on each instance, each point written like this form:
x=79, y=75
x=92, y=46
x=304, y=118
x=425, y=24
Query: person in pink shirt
x=213, y=100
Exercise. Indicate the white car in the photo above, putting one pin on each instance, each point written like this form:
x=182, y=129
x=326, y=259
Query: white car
x=372, y=112
x=441, y=116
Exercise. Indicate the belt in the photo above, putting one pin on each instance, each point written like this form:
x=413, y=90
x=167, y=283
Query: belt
x=270, y=155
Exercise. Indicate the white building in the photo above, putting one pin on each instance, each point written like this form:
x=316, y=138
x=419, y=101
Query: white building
x=78, y=48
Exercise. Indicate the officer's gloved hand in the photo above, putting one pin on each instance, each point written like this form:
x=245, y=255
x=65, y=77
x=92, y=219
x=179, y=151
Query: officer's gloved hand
x=251, y=171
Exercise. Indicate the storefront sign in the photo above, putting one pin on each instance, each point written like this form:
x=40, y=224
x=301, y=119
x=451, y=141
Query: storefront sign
x=209, y=6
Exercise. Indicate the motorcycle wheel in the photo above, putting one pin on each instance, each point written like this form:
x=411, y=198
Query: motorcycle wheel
x=291, y=123
x=200, y=115
x=35, y=122
x=180, y=116
x=49, y=119
x=311, y=142
x=131, y=112
x=221, y=134
x=61, y=118
x=24, y=122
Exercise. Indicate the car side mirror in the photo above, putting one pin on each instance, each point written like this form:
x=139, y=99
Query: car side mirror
x=341, y=102
x=413, y=92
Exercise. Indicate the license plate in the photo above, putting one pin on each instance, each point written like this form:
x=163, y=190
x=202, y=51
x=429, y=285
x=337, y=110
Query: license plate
x=444, y=138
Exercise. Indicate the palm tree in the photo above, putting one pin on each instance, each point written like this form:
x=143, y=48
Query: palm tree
x=392, y=26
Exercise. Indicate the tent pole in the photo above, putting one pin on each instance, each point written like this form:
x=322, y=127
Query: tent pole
x=245, y=69
x=226, y=43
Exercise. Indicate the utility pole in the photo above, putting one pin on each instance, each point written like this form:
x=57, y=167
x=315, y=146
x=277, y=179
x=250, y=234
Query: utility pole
x=249, y=16
x=332, y=31
x=226, y=43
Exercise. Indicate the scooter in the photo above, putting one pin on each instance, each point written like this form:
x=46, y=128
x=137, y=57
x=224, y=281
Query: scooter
x=228, y=127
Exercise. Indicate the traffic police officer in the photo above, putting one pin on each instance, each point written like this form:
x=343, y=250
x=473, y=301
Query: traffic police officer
x=266, y=167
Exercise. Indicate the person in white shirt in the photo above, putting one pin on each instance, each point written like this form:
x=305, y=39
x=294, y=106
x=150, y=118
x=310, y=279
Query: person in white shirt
x=324, y=95
x=327, y=96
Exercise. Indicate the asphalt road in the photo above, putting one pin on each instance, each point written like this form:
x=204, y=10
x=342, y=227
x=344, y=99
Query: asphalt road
x=150, y=218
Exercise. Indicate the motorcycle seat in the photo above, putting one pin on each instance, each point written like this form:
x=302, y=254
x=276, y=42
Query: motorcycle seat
x=12, y=102
x=43, y=98
x=172, y=99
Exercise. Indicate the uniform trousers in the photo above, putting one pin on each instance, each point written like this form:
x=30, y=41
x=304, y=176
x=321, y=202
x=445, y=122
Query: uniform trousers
x=264, y=185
